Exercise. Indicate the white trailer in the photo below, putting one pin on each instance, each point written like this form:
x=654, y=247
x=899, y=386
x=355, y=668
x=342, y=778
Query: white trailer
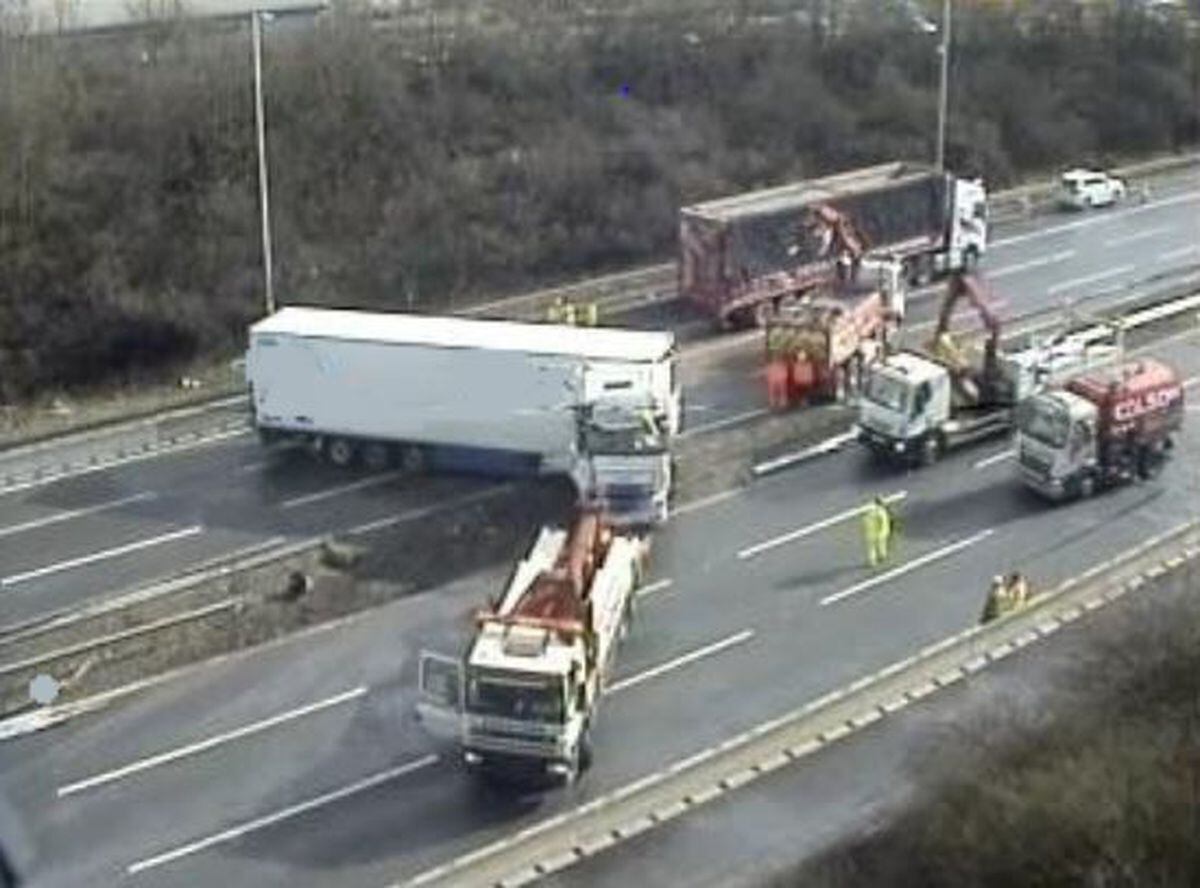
x=492, y=397
x=523, y=698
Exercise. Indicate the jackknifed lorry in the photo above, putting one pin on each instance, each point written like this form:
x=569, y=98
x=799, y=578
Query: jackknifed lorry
x=742, y=256
x=1099, y=429
x=500, y=398
x=522, y=700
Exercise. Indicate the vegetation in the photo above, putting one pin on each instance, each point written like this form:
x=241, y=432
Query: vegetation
x=1099, y=785
x=418, y=165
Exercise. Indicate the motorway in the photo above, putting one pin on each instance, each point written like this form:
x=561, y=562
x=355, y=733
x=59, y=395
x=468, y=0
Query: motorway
x=759, y=602
x=95, y=532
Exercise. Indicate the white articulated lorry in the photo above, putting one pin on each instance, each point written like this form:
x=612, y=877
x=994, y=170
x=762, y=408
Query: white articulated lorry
x=501, y=398
x=523, y=699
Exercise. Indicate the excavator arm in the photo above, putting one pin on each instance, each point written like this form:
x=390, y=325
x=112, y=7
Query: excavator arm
x=969, y=287
x=839, y=235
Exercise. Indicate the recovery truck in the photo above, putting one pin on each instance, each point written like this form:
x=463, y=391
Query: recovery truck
x=523, y=699
x=815, y=344
x=1099, y=429
x=599, y=405
x=917, y=404
x=740, y=256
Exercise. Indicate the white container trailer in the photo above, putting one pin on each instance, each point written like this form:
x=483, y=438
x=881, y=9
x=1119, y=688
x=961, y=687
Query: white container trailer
x=493, y=397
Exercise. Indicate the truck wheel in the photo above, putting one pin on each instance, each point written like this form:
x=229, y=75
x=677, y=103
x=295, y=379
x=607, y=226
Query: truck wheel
x=931, y=450
x=970, y=259
x=376, y=456
x=1087, y=487
x=762, y=313
x=340, y=452
x=413, y=459
x=584, y=753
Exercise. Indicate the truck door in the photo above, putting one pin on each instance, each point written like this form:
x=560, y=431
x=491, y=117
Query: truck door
x=440, y=698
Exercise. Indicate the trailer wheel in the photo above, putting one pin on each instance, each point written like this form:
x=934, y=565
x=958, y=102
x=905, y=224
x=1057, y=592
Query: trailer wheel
x=970, y=259
x=413, y=459
x=584, y=753
x=1087, y=487
x=376, y=456
x=340, y=452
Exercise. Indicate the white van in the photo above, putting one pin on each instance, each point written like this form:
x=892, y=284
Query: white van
x=1081, y=189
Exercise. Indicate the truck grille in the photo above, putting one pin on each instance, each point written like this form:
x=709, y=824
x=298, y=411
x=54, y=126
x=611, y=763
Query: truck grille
x=1035, y=464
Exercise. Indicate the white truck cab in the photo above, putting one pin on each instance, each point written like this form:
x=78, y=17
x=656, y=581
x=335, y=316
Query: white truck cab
x=968, y=232
x=905, y=401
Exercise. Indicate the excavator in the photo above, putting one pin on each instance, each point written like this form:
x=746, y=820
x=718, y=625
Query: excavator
x=974, y=384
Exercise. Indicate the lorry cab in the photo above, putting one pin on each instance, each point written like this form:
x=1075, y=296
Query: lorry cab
x=1056, y=444
x=627, y=466
x=906, y=400
x=969, y=226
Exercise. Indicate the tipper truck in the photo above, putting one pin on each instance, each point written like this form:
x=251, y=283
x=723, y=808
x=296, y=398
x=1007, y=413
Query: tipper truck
x=598, y=405
x=1099, y=428
x=917, y=404
x=522, y=700
x=741, y=256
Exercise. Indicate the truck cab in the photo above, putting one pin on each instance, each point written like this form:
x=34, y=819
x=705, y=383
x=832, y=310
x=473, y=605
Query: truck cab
x=969, y=226
x=906, y=402
x=1056, y=444
x=626, y=466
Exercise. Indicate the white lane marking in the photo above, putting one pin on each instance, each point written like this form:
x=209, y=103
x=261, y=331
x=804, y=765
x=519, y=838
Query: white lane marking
x=657, y=586
x=329, y=493
x=424, y=511
x=706, y=501
x=74, y=513
x=1098, y=219
x=1191, y=381
x=829, y=445
x=736, y=419
x=907, y=567
x=995, y=458
x=1136, y=236
x=1032, y=263
x=123, y=461
x=254, y=466
x=1088, y=278
x=1181, y=253
x=204, y=745
x=793, y=535
x=236, y=832
x=683, y=660
x=61, y=566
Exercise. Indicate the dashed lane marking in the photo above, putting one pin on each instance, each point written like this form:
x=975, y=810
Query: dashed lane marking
x=60, y=566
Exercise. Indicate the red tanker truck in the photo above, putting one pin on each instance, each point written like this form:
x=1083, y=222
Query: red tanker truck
x=1100, y=428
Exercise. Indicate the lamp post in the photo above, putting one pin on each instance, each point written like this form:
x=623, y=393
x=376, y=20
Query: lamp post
x=943, y=85
x=260, y=128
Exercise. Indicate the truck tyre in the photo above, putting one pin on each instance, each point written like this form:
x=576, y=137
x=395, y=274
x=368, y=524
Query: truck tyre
x=413, y=459
x=931, y=450
x=1087, y=486
x=970, y=260
x=584, y=753
x=762, y=313
x=340, y=452
x=376, y=456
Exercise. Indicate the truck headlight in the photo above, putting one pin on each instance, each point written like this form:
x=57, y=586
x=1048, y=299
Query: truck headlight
x=898, y=446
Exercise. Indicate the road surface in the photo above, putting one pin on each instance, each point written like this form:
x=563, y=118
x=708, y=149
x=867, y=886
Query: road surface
x=300, y=764
x=95, y=533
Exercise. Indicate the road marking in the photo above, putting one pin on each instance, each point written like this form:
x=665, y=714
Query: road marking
x=908, y=567
x=1088, y=278
x=1136, y=236
x=204, y=745
x=791, y=536
x=736, y=419
x=236, y=832
x=1181, y=253
x=1191, y=381
x=657, y=586
x=123, y=461
x=706, y=501
x=61, y=566
x=329, y=493
x=424, y=511
x=1032, y=263
x=995, y=458
x=74, y=513
x=1096, y=220
x=829, y=445
x=683, y=660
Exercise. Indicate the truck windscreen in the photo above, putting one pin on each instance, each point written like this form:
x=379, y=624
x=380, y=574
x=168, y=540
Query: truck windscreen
x=1044, y=421
x=886, y=391
x=526, y=700
x=645, y=438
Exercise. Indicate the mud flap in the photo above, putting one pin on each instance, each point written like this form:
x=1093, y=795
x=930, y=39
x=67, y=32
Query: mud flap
x=440, y=695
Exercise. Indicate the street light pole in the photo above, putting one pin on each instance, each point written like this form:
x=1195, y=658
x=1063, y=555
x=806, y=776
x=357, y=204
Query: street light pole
x=260, y=127
x=943, y=85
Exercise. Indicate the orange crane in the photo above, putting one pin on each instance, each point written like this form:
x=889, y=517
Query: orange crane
x=967, y=286
x=840, y=238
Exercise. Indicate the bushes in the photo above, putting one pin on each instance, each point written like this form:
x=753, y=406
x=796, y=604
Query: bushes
x=417, y=167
